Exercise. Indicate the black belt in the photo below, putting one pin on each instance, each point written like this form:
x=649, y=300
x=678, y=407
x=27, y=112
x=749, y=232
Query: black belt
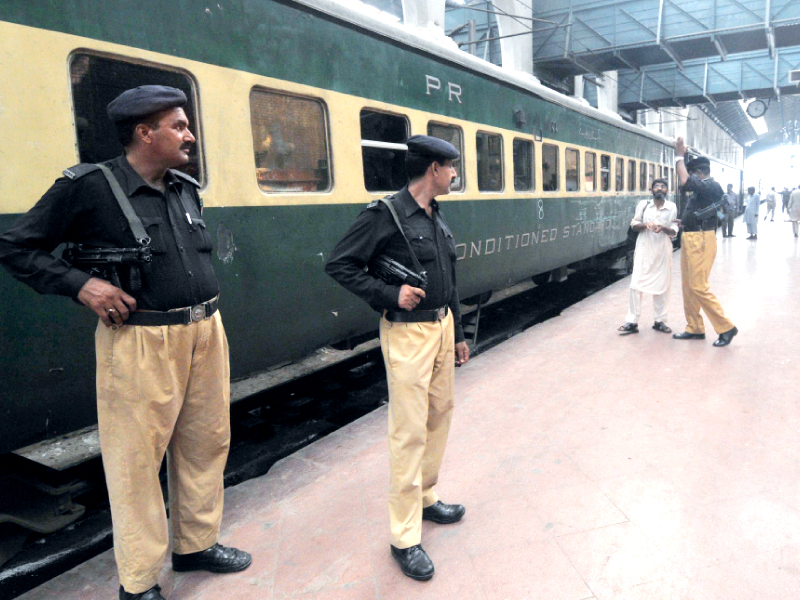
x=699, y=230
x=179, y=316
x=416, y=316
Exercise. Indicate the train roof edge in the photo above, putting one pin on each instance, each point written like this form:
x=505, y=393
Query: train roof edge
x=408, y=36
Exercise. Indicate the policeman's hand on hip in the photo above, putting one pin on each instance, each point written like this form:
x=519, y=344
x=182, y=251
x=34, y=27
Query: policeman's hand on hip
x=111, y=304
x=410, y=297
x=462, y=353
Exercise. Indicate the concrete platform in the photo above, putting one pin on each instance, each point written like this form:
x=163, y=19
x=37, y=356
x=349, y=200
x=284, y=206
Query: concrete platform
x=592, y=466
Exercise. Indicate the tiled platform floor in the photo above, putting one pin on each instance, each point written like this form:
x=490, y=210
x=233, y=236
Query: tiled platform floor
x=592, y=466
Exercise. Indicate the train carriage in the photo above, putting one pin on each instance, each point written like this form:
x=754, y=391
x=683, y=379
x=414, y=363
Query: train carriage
x=301, y=111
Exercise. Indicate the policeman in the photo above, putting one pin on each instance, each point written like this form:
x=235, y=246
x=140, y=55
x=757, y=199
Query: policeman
x=699, y=249
x=421, y=338
x=162, y=356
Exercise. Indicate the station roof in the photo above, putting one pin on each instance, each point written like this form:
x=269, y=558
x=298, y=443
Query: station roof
x=670, y=53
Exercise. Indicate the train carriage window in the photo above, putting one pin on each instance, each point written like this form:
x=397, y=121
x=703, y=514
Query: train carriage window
x=651, y=175
x=631, y=175
x=383, y=150
x=490, y=161
x=643, y=176
x=290, y=143
x=589, y=178
x=571, y=165
x=620, y=175
x=524, y=155
x=550, y=171
x=605, y=172
x=452, y=134
x=97, y=80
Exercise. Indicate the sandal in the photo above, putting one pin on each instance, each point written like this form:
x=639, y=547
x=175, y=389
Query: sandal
x=628, y=329
x=659, y=326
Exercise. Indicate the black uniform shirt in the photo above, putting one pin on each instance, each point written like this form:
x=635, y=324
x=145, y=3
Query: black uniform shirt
x=85, y=211
x=375, y=232
x=706, y=192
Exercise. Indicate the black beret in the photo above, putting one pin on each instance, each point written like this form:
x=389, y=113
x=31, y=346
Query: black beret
x=426, y=145
x=144, y=100
x=659, y=180
x=701, y=162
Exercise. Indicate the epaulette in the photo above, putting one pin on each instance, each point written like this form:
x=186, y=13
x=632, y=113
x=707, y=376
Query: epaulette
x=373, y=204
x=79, y=171
x=186, y=177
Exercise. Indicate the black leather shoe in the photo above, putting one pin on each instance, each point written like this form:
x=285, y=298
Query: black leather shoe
x=414, y=562
x=628, y=328
x=725, y=338
x=217, y=559
x=442, y=513
x=685, y=335
x=154, y=593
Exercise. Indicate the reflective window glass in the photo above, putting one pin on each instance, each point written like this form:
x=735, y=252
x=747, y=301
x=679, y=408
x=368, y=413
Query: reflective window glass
x=489, y=148
x=642, y=176
x=550, y=168
x=454, y=135
x=523, y=165
x=572, y=160
x=605, y=172
x=383, y=150
x=290, y=142
x=589, y=181
x=631, y=175
x=619, y=175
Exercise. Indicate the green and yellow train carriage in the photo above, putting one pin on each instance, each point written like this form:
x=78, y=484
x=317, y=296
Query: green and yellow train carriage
x=301, y=111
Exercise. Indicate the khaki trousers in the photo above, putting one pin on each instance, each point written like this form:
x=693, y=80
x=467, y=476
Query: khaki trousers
x=420, y=360
x=163, y=390
x=698, y=251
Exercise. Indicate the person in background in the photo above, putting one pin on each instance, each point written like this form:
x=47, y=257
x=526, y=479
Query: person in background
x=794, y=210
x=772, y=202
x=699, y=249
x=652, y=258
x=731, y=208
x=751, y=213
x=785, y=195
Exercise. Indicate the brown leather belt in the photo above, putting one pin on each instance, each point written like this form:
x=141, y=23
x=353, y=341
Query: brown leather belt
x=178, y=316
x=416, y=316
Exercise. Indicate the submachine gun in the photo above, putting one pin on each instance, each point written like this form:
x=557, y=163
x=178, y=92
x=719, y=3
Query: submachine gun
x=711, y=210
x=394, y=273
x=119, y=266
x=391, y=271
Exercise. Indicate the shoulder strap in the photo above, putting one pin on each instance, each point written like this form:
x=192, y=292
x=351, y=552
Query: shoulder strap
x=133, y=220
x=390, y=206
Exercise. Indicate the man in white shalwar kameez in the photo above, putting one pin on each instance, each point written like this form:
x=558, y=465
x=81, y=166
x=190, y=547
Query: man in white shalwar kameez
x=654, y=219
